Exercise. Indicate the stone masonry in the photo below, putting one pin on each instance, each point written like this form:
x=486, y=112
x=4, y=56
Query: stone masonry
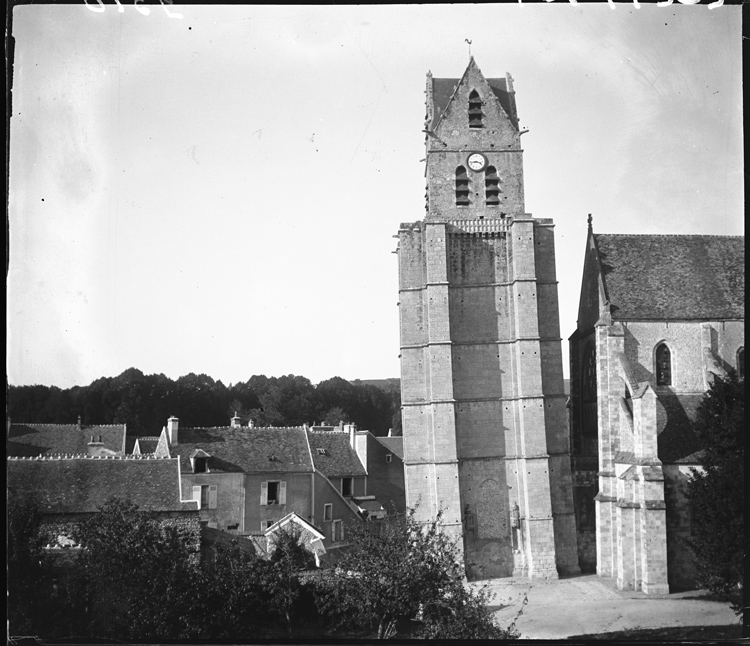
x=484, y=416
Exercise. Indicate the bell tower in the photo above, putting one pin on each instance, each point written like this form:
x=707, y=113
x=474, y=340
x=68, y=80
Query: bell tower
x=483, y=406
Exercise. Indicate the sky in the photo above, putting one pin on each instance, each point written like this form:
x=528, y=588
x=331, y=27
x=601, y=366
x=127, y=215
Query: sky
x=218, y=190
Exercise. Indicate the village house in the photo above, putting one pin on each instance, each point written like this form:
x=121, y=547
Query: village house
x=247, y=479
x=68, y=489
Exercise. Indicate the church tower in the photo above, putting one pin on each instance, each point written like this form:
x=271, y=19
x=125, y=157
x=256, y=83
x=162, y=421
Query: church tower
x=484, y=418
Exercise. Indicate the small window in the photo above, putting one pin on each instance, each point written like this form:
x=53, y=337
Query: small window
x=266, y=524
x=337, y=531
x=346, y=486
x=205, y=495
x=233, y=528
x=663, y=365
x=462, y=187
x=388, y=457
x=476, y=116
x=273, y=493
x=327, y=512
x=741, y=363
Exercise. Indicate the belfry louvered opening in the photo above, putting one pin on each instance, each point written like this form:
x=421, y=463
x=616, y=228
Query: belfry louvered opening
x=462, y=187
x=491, y=186
x=476, y=116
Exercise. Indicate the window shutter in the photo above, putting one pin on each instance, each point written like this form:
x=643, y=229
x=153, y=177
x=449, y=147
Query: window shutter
x=212, y=489
x=282, y=493
x=341, y=531
x=263, y=493
x=197, y=494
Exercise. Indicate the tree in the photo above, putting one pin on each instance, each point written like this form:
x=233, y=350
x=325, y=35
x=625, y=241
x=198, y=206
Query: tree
x=401, y=570
x=231, y=600
x=27, y=569
x=288, y=558
x=138, y=575
x=716, y=492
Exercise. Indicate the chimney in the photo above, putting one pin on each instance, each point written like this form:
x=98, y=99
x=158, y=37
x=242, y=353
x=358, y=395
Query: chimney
x=95, y=446
x=236, y=422
x=173, y=424
x=79, y=426
x=351, y=429
x=360, y=446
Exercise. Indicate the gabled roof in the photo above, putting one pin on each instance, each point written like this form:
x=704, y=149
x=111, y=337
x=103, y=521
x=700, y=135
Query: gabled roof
x=245, y=450
x=83, y=484
x=395, y=444
x=673, y=277
x=145, y=445
x=444, y=88
x=29, y=440
x=293, y=517
x=339, y=458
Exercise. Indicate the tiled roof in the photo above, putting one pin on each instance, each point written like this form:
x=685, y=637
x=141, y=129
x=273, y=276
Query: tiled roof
x=245, y=450
x=395, y=444
x=339, y=459
x=83, y=484
x=672, y=277
x=147, y=444
x=29, y=440
x=443, y=89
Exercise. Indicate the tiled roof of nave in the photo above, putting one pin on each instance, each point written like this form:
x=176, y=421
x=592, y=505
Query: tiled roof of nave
x=673, y=277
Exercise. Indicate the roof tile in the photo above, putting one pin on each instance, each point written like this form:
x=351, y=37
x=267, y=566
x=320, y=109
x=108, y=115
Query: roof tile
x=83, y=484
x=673, y=277
x=29, y=440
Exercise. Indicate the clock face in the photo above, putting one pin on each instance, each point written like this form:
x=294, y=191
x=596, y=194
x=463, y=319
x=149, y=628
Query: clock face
x=476, y=161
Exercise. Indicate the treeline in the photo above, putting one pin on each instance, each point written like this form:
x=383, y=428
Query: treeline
x=144, y=402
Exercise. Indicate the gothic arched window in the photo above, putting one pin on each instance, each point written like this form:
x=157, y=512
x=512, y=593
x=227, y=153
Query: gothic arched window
x=462, y=187
x=663, y=365
x=491, y=186
x=589, y=374
x=475, y=110
x=741, y=363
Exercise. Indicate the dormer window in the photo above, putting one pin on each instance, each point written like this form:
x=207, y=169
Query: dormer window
x=476, y=116
x=462, y=187
x=199, y=461
x=491, y=186
x=663, y=360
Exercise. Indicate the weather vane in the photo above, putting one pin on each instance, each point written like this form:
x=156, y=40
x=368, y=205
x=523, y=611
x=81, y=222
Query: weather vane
x=468, y=41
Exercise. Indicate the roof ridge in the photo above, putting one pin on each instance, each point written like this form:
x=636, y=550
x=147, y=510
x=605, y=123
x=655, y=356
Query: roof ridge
x=86, y=456
x=73, y=424
x=248, y=428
